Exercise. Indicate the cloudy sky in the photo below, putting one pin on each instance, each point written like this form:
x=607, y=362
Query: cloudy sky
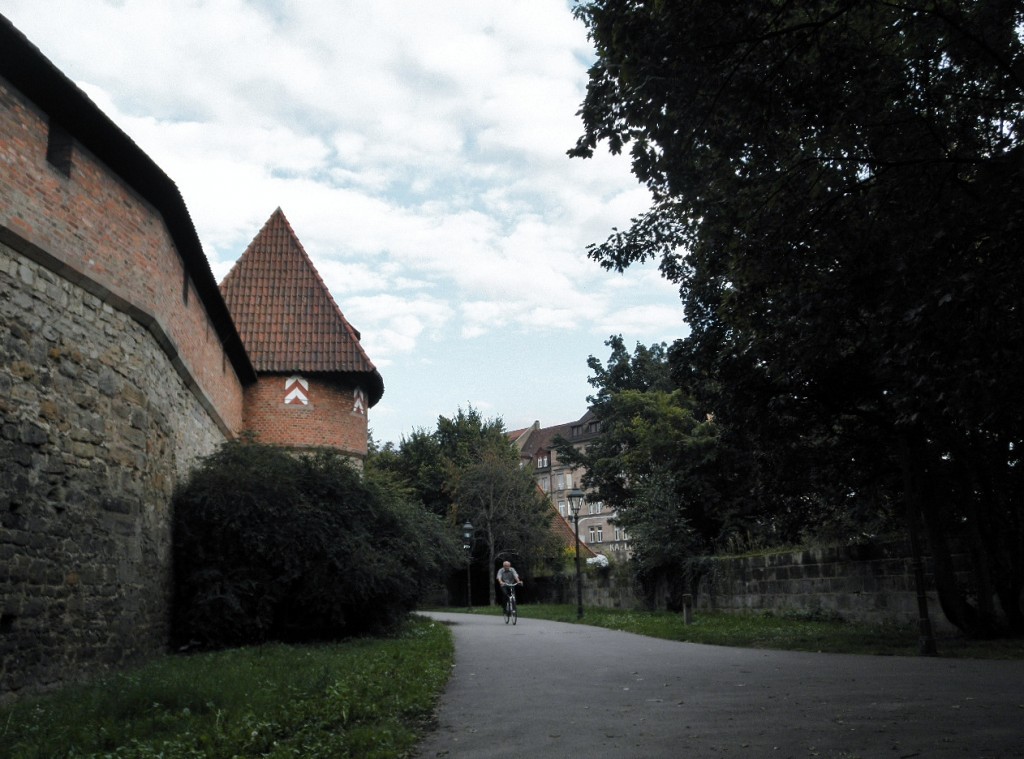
x=419, y=152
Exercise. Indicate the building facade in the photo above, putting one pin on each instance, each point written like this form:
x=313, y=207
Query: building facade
x=537, y=448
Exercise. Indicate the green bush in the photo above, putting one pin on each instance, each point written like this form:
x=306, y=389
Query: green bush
x=274, y=546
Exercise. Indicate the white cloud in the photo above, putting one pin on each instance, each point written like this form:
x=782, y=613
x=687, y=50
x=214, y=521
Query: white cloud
x=419, y=152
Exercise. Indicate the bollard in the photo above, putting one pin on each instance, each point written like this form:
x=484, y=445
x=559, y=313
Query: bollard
x=687, y=609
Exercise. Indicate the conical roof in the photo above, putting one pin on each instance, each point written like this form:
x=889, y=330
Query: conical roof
x=286, y=316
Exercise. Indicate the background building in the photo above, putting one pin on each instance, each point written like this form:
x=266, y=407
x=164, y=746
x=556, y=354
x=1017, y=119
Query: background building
x=555, y=478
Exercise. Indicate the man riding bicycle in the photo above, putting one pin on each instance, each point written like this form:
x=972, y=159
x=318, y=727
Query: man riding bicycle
x=508, y=578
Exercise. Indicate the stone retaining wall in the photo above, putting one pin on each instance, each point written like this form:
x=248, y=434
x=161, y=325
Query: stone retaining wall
x=97, y=427
x=864, y=583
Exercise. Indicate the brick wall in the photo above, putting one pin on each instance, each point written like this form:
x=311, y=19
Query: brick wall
x=328, y=419
x=99, y=232
x=112, y=382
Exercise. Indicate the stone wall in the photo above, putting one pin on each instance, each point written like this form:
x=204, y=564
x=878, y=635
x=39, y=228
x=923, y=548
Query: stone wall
x=610, y=588
x=100, y=232
x=97, y=426
x=864, y=583
x=114, y=378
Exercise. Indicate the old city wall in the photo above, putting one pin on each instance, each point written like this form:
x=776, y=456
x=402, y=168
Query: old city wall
x=870, y=583
x=112, y=383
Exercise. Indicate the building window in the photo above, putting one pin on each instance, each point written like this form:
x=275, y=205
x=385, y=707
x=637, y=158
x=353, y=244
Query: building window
x=561, y=508
x=618, y=533
x=561, y=481
x=545, y=484
x=58, y=148
x=592, y=532
x=577, y=430
x=595, y=507
x=600, y=533
x=543, y=460
x=593, y=427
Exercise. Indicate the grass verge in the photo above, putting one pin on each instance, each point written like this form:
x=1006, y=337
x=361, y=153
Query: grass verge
x=792, y=632
x=361, y=698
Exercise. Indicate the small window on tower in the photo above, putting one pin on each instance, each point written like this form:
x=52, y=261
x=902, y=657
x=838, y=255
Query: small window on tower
x=58, y=148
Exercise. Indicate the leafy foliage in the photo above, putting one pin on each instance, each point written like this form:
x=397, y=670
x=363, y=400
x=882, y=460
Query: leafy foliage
x=272, y=546
x=507, y=510
x=430, y=463
x=660, y=463
x=468, y=470
x=838, y=189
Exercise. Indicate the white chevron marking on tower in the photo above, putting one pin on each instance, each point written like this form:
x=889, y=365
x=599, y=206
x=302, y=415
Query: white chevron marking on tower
x=295, y=389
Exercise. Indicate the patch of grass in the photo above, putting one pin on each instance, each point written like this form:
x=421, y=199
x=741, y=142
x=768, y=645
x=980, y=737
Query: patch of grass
x=791, y=632
x=358, y=698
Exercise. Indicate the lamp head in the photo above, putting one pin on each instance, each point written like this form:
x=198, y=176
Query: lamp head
x=576, y=499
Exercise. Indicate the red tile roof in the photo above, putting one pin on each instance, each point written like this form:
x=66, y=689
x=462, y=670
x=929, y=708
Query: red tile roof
x=286, y=316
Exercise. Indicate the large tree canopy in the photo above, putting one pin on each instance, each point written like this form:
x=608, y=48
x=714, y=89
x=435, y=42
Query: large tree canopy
x=838, y=190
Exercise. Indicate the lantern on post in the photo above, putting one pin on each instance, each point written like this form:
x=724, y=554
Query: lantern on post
x=576, y=500
x=467, y=546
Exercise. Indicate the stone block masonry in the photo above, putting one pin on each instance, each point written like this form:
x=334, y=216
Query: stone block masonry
x=118, y=368
x=97, y=427
x=866, y=583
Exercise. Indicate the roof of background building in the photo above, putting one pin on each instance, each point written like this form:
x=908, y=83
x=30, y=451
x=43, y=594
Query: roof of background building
x=543, y=438
x=286, y=316
x=566, y=535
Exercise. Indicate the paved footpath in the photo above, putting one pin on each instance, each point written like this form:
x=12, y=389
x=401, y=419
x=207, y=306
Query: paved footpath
x=548, y=689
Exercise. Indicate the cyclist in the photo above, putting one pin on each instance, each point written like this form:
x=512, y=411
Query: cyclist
x=508, y=578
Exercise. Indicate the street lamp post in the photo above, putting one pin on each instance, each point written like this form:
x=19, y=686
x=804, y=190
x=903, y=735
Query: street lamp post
x=467, y=546
x=576, y=498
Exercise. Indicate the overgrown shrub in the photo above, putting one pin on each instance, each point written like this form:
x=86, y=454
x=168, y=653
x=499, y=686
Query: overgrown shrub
x=269, y=545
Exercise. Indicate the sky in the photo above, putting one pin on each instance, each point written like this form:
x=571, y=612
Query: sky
x=418, y=151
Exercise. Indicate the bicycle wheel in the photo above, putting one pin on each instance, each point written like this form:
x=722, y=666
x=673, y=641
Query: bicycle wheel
x=515, y=611
x=505, y=611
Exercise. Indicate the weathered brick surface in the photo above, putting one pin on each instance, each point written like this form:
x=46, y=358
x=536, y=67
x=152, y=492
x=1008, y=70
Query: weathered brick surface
x=327, y=420
x=103, y=232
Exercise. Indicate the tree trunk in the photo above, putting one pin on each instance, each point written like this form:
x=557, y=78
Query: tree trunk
x=912, y=499
x=491, y=571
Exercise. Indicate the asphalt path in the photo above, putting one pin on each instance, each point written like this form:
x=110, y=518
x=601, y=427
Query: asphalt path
x=549, y=689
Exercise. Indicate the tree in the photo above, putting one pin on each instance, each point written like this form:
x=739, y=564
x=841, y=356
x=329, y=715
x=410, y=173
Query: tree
x=838, y=189
x=660, y=463
x=506, y=508
x=430, y=462
x=468, y=469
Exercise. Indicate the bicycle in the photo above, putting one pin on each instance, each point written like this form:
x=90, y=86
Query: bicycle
x=510, y=611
